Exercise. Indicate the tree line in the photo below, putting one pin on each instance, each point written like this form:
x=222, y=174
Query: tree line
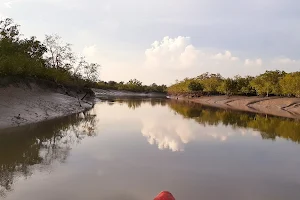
x=54, y=60
x=276, y=82
x=132, y=85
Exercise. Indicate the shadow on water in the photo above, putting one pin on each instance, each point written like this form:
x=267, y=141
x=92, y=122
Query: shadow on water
x=34, y=147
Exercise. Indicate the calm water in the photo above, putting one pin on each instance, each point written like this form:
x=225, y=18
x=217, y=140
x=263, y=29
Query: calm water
x=131, y=150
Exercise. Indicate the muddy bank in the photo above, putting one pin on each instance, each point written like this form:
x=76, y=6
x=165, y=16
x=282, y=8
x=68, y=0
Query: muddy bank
x=30, y=103
x=278, y=106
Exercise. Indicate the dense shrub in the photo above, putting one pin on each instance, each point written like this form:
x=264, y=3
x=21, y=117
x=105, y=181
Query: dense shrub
x=269, y=83
x=27, y=58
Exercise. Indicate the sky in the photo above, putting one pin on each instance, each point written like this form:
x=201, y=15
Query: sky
x=164, y=40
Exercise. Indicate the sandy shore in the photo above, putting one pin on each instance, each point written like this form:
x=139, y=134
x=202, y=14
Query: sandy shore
x=25, y=104
x=278, y=106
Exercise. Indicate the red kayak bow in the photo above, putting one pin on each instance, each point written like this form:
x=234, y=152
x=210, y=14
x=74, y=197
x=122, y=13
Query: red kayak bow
x=164, y=195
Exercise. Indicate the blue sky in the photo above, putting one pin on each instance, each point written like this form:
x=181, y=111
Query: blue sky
x=160, y=41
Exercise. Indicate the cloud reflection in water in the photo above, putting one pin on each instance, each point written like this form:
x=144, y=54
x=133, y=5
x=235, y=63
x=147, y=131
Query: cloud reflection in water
x=175, y=132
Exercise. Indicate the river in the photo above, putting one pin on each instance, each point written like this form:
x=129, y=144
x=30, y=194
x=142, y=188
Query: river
x=133, y=149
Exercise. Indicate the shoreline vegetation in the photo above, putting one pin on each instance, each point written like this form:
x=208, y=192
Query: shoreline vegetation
x=43, y=80
x=54, y=60
x=270, y=83
x=273, y=92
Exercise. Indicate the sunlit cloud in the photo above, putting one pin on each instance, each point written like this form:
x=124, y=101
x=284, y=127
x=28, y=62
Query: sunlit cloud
x=225, y=56
x=174, y=53
x=180, y=54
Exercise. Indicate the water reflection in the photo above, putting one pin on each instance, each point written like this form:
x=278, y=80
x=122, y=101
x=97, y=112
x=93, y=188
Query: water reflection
x=35, y=147
x=269, y=127
x=134, y=103
x=150, y=145
x=173, y=132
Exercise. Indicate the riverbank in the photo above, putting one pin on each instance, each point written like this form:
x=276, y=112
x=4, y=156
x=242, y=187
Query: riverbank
x=30, y=101
x=25, y=103
x=277, y=106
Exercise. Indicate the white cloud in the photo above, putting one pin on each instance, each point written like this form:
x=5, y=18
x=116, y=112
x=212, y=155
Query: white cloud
x=179, y=58
x=189, y=56
x=179, y=54
x=172, y=53
x=226, y=56
x=176, y=58
x=256, y=62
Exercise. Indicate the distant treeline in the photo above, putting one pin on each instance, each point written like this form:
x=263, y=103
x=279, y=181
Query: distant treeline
x=132, y=85
x=277, y=83
x=53, y=60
